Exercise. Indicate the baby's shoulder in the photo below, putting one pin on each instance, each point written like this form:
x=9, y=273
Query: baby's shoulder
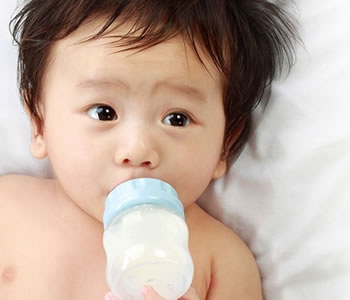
x=23, y=202
x=14, y=186
x=20, y=193
x=210, y=231
x=234, y=272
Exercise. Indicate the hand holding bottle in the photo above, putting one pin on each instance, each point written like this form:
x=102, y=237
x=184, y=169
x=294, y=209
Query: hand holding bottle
x=151, y=294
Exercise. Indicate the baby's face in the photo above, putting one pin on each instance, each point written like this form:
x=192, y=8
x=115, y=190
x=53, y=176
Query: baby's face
x=110, y=117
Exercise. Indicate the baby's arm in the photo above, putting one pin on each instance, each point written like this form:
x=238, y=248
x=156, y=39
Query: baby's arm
x=234, y=271
x=231, y=272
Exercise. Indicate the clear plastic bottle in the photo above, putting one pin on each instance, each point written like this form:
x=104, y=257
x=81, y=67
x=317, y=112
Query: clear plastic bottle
x=146, y=240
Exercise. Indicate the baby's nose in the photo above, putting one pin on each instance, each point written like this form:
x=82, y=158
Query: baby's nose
x=137, y=153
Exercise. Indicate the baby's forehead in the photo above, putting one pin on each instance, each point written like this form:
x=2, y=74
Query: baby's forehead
x=86, y=39
x=83, y=59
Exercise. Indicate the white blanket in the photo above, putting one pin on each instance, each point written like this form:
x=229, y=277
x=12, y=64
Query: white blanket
x=289, y=193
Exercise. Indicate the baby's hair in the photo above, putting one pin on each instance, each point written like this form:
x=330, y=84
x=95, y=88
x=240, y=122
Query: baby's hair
x=249, y=41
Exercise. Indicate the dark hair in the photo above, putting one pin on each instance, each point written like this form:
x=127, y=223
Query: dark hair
x=249, y=41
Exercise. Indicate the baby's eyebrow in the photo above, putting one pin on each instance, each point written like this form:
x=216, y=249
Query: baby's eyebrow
x=184, y=89
x=98, y=83
x=181, y=88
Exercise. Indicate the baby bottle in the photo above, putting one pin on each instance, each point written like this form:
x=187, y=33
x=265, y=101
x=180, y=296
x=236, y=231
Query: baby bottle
x=146, y=240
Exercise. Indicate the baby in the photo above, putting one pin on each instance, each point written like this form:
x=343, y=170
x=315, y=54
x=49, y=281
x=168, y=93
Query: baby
x=117, y=90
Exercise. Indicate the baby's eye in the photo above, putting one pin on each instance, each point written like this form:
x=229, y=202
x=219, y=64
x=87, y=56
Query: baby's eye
x=177, y=119
x=102, y=113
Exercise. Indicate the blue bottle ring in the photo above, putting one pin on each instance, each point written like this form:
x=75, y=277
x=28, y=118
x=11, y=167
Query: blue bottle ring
x=141, y=191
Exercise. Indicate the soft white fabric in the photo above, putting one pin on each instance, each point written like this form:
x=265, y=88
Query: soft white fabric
x=288, y=195
x=15, y=154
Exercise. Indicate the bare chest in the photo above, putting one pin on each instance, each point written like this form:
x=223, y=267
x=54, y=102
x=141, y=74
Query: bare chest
x=46, y=259
x=51, y=267
x=56, y=275
x=19, y=283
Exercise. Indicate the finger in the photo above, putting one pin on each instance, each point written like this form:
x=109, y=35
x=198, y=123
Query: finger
x=150, y=294
x=110, y=296
x=191, y=294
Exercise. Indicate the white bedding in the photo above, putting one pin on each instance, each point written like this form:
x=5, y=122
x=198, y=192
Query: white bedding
x=288, y=195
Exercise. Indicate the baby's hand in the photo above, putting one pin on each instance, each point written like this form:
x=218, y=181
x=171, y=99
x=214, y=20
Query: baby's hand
x=191, y=294
x=110, y=296
x=151, y=294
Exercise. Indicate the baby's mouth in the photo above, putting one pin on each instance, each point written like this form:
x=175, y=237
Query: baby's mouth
x=131, y=178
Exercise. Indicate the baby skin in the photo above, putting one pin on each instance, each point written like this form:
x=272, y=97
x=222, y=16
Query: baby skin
x=150, y=294
x=108, y=117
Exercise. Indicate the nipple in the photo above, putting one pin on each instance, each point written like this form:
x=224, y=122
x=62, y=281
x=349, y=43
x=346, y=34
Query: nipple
x=8, y=275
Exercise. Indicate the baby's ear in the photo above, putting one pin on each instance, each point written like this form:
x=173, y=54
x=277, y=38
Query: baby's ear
x=38, y=145
x=220, y=169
